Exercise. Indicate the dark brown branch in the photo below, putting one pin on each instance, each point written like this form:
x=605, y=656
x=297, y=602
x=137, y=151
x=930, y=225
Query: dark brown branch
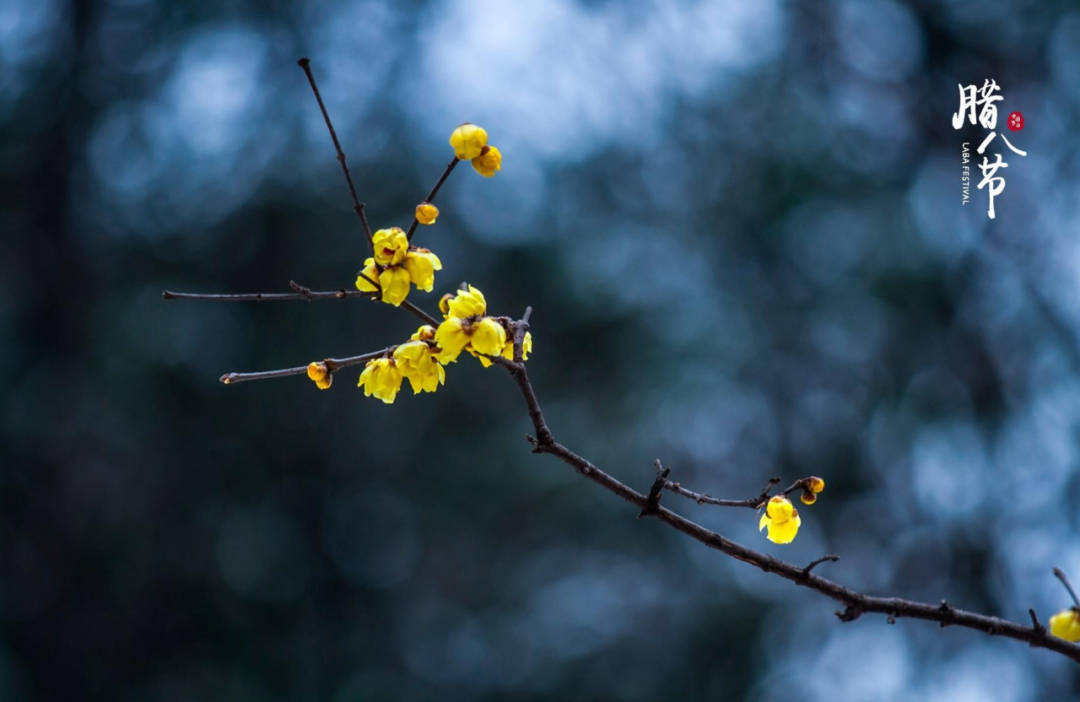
x=302, y=293
x=431, y=196
x=831, y=558
x=427, y=318
x=706, y=499
x=358, y=206
x=855, y=603
x=332, y=364
x=652, y=500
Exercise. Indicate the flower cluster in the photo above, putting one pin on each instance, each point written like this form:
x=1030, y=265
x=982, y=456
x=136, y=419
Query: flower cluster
x=470, y=144
x=396, y=265
x=466, y=327
x=781, y=518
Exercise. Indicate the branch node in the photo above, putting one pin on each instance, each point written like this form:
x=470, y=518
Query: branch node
x=850, y=613
x=652, y=500
x=831, y=558
x=1036, y=626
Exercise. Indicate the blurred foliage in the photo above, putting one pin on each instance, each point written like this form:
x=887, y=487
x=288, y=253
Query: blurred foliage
x=740, y=227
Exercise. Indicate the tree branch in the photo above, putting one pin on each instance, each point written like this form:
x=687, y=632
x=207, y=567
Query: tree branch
x=358, y=206
x=434, y=191
x=332, y=364
x=855, y=603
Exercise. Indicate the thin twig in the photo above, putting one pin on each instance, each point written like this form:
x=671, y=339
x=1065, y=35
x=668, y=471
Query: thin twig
x=427, y=318
x=358, y=206
x=1068, y=586
x=302, y=293
x=652, y=500
x=434, y=191
x=855, y=603
x=332, y=364
x=707, y=499
x=831, y=558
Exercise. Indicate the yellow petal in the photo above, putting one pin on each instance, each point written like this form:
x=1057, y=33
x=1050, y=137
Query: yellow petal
x=764, y=522
x=390, y=246
x=489, y=161
x=395, y=285
x=488, y=336
x=468, y=141
x=1066, y=625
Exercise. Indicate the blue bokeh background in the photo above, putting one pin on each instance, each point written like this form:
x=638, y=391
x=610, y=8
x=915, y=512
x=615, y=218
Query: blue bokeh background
x=740, y=227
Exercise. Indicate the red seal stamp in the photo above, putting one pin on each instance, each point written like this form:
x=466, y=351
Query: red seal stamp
x=1015, y=121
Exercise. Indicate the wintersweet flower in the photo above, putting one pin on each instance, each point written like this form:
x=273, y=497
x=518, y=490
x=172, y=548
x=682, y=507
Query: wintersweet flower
x=468, y=141
x=394, y=282
x=318, y=372
x=366, y=276
x=488, y=336
x=807, y=498
x=467, y=303
x=417, y=364
x=815, y=484
x=782, y=520
x=489, y=161
x=421, y=265
x=424, y=333
x=1066, y=625
x=426, y=213
x=390, y=246
x=508, y=350
x=483, y=335
x=381, y=378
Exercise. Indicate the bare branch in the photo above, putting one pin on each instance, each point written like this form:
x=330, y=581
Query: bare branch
x=707, y=499
x=831, y=558
x=358, y=206
x=652, y=500
x=434, y=191
x=332, y=364
x=302, y=293
x=1068, y=586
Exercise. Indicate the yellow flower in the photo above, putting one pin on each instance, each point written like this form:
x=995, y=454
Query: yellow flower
x=782, y=519
x=318, y=372
x=390, y=246
x=1066, y=625
x=421, y=265
x=815, y=484
x=467, y=303
x=424, y=333
x=489, y=161
x=426, y=213
x=444, y=303
x=452, y=339
x=372, y=273
x=394, y=282
x=417, y=364
x=468, y=141
x=807, y=498
x=488, y=336
x=382, y=379
x=508, y=350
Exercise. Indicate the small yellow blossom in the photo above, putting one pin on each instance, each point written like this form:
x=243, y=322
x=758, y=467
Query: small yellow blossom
x=417, y=364
x=317, y=371
x=489, y=161
x=421, y=265
x=390, y=246
x=426, y=213
x=782, y=519
x=807, y=498
x=468, y=141
x=325, y=383
x=467, y=303
x=451, y=338
x=424, y=333
x=815, y=484
x=488, y=336
x=444, y=303
x=370, y=273
x=394, y=282
x=508, y=350
x=1066, y=625
x=381, y=378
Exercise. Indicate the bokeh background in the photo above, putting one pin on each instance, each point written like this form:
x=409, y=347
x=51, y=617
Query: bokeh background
x=740, y=227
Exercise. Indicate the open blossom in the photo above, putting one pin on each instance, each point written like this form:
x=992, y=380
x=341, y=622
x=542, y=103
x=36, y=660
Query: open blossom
x=489, y=161
x=508, y=350
x=394, y=282
x=426, y=213
x=417, y=364
x=390, y=246
x=782, y=520
x=421, y=265
x=467, y=303
x=468, y=141
x=381, y=378
x=483, y=335
x=1066, y=625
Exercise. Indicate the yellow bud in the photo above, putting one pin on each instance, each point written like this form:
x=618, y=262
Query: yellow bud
x=424, y=333
x=807, y=498
x=468, y=141
x=1066, y=625
x=489, y=161
x=444, y=303
x=317, y=371
x=325, y=383
x=815, y=484
x=426, y=213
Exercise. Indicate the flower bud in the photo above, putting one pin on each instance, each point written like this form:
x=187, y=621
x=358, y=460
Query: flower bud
x=814, y=484
x=426, y=213
x=807, y=497
x=489, y=161
x=468, y=141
